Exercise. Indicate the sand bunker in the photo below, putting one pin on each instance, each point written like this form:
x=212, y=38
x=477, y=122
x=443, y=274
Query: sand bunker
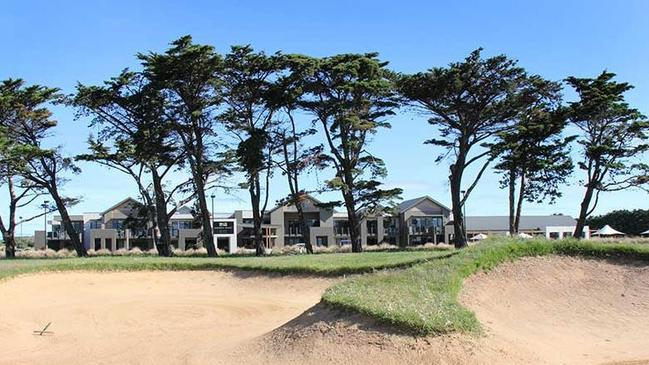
x=561, y=310
x=144, y=317
x=551, y=310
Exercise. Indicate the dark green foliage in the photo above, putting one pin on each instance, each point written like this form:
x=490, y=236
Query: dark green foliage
x=613, y=140
x=27, y=121
x=186, y=74
x=251, y=93
x=351, y=95
x=136, y=138
x=469, y=102
x=633, y=222
x=533, y=155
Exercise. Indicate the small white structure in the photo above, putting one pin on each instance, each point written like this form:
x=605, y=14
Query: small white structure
x=607, y=231
x=225, y=234
x=561, y=232
x=645, y=233
x=478, y=237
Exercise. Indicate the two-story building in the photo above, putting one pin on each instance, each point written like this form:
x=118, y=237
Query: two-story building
x=413, y=222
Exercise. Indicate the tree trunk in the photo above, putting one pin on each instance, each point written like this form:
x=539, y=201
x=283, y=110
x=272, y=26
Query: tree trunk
x=512, y=203
x=455, y=180
x=10, y=244
x=352, y=219
x=257, y=219
x=583, y=212
x=161, y=217
x=306, y=230
x=67, y=223
x=519, y=206
x=206, y=220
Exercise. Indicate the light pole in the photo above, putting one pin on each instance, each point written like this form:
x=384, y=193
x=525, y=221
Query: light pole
x=212, y=220
x=466, y=238
x=44, y=205
x=21, y=226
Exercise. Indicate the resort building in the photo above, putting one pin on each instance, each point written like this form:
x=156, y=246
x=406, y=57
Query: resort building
x=412, y=222
x=548, y=226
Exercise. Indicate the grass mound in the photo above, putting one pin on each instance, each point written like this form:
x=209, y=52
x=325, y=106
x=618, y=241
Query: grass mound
x=423, y=298
x=321, y=264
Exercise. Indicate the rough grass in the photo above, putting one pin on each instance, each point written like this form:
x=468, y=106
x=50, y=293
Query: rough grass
x=424, y=298
x=322, y=264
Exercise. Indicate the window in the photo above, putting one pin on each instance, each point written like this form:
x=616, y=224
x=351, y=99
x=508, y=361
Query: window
x=425, y=225
x=321, y=241
x=109, y=243
x=341, y=227
x=372, y=227
x=390, y=226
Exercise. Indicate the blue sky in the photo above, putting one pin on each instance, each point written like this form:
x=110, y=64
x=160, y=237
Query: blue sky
x=60, y=43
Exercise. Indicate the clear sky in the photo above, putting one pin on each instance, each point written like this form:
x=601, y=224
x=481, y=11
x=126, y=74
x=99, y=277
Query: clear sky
x=60, y=43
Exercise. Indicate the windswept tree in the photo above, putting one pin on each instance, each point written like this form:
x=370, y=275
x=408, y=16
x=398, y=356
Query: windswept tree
x=613, y=140
x=136, y=138
x=351, y=96
x=296, y=157
x=250, y=92
x=534, y=155
x=28, y=122
x=469, y=102
x=21, y=193
x=187, y=76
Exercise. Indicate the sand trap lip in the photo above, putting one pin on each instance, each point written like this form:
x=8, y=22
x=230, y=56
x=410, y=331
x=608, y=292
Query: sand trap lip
x=144, y=317
x=565, y=310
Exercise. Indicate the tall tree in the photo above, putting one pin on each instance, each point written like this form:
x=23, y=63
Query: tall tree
x=250, y=92
x=297, y=158
x=187, y=76
x=613, y=140
x=29, y=122
x=350, y=96
x=131, y=118
x=534, y=156
x=13, y=157
x=470, y=102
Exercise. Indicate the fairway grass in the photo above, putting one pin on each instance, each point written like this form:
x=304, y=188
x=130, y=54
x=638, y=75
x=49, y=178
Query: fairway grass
x=424, y=298
x=322, y=264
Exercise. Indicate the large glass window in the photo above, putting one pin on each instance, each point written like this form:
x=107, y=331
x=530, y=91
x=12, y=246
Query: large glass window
x=372, y=227
x=390, y=226
x=425, y=225
x=341, y=227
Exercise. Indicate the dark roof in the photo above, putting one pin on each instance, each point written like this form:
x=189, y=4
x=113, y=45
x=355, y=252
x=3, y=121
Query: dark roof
x=528, y=222
x=407, y=204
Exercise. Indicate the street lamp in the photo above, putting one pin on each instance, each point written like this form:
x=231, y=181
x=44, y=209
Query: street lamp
x=212, y=196
x=44, y=206
x=21, y=226
x=464, y=215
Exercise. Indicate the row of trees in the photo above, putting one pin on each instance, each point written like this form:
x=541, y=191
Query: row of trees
x=250, y=114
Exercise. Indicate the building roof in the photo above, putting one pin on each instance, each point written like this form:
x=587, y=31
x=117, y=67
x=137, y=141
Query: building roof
x=528, y=222
x=308, y=196
x=407, y=204
x=123, y=201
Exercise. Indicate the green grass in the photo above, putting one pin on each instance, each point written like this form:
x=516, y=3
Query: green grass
x=321, y=264
x=423, y=298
